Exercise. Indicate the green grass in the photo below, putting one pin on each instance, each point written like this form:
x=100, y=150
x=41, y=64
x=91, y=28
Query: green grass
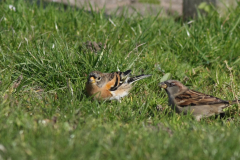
x=48, y=116
x=150, y=1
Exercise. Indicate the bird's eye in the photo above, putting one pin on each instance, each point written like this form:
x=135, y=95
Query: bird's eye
x=99, y=78
x=172, y=84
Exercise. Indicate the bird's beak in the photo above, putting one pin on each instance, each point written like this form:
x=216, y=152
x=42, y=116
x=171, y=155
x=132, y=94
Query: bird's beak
x=91, y=80
x=163, y=85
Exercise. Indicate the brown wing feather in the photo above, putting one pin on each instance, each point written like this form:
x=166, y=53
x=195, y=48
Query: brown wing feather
x=193, y=98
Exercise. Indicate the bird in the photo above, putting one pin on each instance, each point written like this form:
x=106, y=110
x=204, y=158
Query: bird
x=184, y=100
x=110, y=86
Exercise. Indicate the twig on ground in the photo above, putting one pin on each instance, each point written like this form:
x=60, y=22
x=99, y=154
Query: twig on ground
x=134, y=49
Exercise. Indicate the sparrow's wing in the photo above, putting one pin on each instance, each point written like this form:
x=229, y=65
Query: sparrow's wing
x=194, y=98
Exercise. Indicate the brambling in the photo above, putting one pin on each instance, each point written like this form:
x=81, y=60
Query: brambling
x=111, y=86
x=182, y=99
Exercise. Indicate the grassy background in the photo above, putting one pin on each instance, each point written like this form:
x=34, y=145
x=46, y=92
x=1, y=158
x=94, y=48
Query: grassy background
x=149, y=1
x=46, y=115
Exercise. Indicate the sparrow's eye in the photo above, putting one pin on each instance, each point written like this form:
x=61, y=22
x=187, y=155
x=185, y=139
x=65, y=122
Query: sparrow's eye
x=172, y=84
x=99, y=78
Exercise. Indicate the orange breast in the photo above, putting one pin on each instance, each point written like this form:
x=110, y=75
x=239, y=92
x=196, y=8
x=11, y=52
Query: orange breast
x=99, y=93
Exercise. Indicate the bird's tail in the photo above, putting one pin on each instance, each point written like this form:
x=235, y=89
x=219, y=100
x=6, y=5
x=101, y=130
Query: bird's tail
x=134, y=79
x=234, y=102
x=125, y=74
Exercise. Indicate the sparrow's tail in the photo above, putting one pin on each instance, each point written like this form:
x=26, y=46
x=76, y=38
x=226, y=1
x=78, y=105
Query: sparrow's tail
x=234, y=102
x=134, y=79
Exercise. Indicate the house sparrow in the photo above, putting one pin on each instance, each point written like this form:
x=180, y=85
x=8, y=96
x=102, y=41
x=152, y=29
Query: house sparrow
x=111, y=86
x=182, y=99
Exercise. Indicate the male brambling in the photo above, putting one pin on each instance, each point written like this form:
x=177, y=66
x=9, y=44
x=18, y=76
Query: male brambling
x=111, y=86
x=182, y=99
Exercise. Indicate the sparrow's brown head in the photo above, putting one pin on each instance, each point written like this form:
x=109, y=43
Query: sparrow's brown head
x=172, y=86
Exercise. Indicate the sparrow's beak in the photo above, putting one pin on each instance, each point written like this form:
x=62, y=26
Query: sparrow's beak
x=163, y=85
x=91, y=80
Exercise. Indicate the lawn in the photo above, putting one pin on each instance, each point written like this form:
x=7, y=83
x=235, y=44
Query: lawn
x=47, y=51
